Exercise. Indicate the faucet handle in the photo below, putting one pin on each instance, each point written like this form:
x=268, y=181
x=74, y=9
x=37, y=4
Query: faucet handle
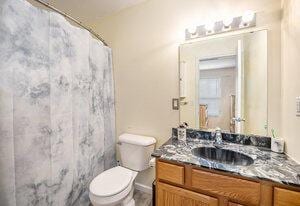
x=238, y=119
x=218, y=129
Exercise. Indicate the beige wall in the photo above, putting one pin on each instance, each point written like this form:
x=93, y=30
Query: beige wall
x=145, y=40
x=290, y=76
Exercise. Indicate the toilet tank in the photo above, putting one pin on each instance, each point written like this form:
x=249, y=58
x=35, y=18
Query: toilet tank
x=135, y=151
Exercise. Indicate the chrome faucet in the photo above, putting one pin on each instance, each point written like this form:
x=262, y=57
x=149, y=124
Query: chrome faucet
x=218, y=136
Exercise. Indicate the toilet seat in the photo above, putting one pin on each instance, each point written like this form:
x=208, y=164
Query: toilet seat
x=112, y=186
x=111, y=182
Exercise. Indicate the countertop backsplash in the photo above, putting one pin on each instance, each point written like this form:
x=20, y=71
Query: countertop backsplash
x=252, y=140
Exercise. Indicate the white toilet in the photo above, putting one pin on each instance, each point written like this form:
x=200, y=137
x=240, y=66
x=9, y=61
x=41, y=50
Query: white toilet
x=115, y=186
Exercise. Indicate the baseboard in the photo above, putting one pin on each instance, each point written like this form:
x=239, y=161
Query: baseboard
x=143, y=188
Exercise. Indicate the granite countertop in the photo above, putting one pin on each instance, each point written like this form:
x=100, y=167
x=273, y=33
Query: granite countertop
x=267, y=165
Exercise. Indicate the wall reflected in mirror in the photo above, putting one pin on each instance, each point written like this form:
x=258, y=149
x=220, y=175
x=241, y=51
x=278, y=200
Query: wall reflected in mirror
x=223, y=83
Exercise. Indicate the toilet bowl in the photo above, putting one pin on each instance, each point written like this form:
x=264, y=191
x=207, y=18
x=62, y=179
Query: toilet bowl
x=116, y=185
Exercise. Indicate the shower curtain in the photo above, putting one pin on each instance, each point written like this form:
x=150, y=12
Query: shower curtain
x=56, y=108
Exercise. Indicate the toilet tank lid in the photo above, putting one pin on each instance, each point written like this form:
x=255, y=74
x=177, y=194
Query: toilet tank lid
x=137, y=139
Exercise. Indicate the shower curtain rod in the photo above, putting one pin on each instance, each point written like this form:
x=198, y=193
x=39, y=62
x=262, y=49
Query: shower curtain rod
x=73, y=19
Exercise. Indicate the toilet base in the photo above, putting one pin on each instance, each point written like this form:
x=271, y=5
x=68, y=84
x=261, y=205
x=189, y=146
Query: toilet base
x=129, y=201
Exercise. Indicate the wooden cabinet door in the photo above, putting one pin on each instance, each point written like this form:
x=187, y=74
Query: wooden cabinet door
x=283, y=197
x=167, y=195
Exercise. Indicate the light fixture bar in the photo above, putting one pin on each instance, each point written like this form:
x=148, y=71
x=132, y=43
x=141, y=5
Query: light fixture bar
x=241, y=22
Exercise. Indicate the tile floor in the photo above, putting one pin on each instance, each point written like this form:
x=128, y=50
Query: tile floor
x=142, y=198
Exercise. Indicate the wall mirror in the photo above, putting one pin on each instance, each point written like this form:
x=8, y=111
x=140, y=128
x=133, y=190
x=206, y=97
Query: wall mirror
x=223, y=83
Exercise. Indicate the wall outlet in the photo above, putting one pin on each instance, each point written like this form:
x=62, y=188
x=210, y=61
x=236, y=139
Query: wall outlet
x=298, y=106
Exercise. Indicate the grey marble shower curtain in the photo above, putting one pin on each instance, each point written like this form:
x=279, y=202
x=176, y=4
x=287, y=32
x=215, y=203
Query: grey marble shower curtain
x=56, y=108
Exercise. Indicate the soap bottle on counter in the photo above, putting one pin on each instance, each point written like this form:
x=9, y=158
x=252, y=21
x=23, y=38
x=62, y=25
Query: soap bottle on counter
x=181, y=131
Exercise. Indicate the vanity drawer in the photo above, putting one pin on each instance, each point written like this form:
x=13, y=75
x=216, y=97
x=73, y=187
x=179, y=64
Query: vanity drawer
x=244, y=191
x=171, y=173
x=283, y=197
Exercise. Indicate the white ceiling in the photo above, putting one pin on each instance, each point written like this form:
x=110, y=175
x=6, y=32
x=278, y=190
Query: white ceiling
x=91, y=11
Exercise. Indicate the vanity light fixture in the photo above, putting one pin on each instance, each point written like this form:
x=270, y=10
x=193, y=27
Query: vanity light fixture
x=247, y=20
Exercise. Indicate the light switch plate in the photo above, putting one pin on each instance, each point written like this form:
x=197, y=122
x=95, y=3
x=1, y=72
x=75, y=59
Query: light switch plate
x=298, y=106
x=175, y=104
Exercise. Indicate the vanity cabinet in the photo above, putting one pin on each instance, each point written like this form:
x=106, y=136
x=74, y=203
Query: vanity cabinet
x=186, y=185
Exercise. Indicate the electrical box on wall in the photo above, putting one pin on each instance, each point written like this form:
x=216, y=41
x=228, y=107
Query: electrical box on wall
x=298, y=106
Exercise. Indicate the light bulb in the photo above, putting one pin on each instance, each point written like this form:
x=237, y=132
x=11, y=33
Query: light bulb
x=248, y=16
x=227, y=22
x=192, y=29
x=210, y=27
